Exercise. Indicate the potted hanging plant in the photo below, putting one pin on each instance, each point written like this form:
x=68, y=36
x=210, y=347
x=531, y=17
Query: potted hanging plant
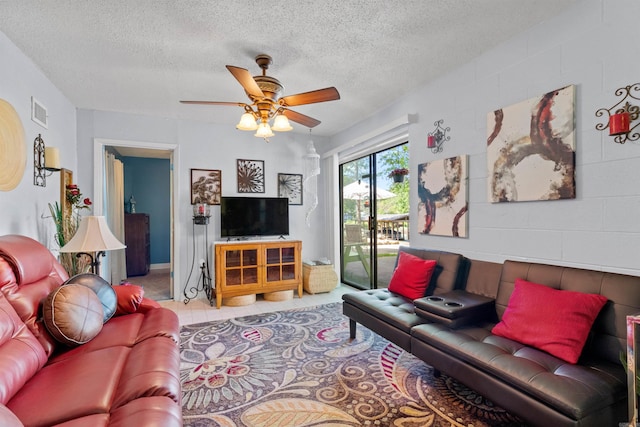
x=398, y=174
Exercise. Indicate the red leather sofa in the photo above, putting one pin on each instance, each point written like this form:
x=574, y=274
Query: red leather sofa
x=128, y=375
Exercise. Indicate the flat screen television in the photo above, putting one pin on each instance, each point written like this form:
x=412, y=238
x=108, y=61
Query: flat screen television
x=254, y=216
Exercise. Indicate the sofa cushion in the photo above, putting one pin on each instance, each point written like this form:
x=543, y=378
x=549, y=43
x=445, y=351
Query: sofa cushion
x=20, y=354
x=77, y=387
x=575, y=390
x=555, y=321
x=152, y=369
x=147, y=411
x=129, y=298
x=28, y=273
x=412, y=275
x=128, y=331
x=73, y=314
x=450, y=270
x=103, y=290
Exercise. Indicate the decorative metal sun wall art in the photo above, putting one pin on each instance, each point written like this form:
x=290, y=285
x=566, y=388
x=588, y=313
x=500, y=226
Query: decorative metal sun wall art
x=290, y=185
x=250, y=176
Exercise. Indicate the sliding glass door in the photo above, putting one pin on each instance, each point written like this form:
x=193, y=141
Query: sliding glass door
x=374, y=205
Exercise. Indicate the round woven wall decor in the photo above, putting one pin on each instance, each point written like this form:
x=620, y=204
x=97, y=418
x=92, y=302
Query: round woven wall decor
x=13, y=155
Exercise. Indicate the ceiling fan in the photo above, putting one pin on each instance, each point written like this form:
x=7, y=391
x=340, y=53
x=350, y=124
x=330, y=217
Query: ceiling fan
x=265, y=93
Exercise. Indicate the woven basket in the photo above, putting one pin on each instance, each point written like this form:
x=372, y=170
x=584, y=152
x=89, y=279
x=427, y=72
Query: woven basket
x=239, y=300
x=278, y=295
x=318, y=278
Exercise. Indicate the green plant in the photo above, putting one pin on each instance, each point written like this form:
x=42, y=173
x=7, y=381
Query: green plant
x=66, y=226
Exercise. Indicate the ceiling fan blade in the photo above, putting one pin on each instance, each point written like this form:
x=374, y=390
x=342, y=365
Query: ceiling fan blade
x=238, y=104
x=246, y=80
x=320, y=95
x=301, y=118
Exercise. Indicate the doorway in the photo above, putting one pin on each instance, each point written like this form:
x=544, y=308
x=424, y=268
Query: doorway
x=158, y=280
x=374, y=209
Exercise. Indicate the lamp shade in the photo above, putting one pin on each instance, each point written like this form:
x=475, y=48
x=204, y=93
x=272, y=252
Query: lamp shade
x=281, y=124
x=247, y=122
x=264, y=131
x=93, y=235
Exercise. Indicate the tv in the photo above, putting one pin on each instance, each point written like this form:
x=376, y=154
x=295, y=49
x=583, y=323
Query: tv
x=254, y=216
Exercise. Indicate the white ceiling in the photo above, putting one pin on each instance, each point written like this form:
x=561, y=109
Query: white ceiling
x=143, y=56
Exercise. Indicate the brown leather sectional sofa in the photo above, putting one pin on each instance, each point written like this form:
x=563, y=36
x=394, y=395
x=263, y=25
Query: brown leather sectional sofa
x=456, y=338
x=128, y=375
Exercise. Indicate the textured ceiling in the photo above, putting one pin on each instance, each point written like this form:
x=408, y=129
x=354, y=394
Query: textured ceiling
x=143, y=56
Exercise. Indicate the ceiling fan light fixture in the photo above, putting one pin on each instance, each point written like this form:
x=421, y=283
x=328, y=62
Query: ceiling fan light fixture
x=281, y=124
x=264, y=131
x=247, y=122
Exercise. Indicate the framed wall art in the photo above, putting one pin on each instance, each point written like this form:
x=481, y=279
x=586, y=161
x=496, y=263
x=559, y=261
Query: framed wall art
x=442, y=190
x=250, y=176
x=206, y=186
x=290, y=185
x=66, y=178
x=531, y=149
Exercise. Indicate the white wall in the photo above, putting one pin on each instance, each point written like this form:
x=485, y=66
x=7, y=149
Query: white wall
x=206, y=146
x=22, y=209
x=592, y=45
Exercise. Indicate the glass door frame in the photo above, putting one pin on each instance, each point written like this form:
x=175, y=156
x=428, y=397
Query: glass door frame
x=371, y=224
x=384, y=235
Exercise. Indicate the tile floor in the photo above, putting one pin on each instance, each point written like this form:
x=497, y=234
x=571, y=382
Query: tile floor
x=199, y=310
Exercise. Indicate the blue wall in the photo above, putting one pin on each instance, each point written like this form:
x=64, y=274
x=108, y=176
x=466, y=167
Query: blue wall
x=148, y=180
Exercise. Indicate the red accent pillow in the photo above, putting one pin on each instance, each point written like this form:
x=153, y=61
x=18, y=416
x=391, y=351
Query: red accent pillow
x=551, y=320
x=129, y=298
x=412, y=275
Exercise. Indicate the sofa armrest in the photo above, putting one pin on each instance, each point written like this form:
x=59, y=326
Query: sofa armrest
x=147, y=304
x=456, y=308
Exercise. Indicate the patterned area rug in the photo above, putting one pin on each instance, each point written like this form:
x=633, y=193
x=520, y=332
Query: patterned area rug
x=297, y=368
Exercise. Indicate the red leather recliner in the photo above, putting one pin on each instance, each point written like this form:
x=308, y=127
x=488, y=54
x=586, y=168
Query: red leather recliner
x=127, y=375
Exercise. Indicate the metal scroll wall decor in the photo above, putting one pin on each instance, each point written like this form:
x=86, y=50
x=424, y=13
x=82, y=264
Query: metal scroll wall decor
x=622, y=115
x=437, y=137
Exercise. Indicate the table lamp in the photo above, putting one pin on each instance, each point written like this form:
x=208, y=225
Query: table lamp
x=93, y=236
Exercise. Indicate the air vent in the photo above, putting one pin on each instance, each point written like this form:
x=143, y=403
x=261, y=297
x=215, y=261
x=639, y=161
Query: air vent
x=39, y=113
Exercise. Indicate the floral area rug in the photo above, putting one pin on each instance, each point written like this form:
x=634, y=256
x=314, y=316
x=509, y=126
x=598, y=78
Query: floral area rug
x=298, y=368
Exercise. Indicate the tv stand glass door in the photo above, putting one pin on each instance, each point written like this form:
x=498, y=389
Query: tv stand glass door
x=257, y=267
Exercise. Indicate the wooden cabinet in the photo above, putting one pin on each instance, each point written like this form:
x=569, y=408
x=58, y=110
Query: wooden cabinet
x=136, y=236
x=257, y=267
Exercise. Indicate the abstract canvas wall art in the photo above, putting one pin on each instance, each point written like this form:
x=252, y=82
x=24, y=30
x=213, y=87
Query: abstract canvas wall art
x=442, y=190
x=531, y=149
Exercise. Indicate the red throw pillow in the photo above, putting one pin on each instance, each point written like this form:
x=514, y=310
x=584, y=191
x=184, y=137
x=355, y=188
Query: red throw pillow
x=551, y=320
x=412, y=275
x=129, y=298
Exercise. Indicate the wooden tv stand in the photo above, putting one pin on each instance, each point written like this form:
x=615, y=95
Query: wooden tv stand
x=257, y=267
